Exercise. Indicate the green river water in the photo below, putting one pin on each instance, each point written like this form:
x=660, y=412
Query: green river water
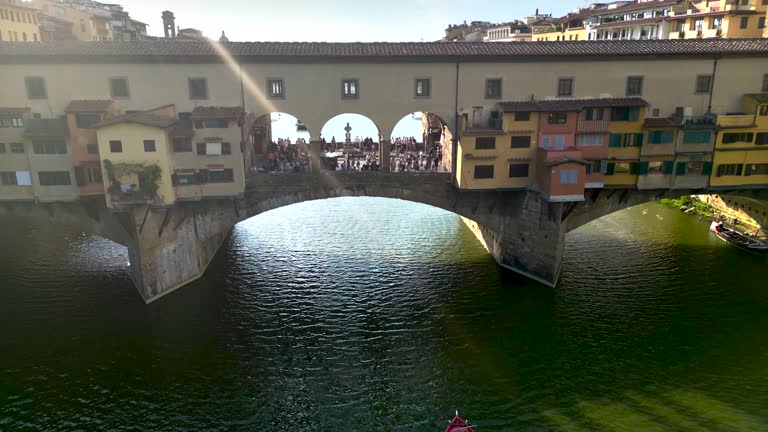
x=364, y=314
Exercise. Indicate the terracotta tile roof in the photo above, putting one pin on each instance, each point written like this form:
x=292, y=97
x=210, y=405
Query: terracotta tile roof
x=550, y=105
x=629, y=23
x=172, y=51
x=8, y=112
x=666, y=122
x=46, y=127
x=642, y=6
x=714, y=13
x=216, y=112
x=760, y=97
x=88, y=105
x=145, y=118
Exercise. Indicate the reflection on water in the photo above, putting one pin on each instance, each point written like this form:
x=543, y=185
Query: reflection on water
x=373, y=314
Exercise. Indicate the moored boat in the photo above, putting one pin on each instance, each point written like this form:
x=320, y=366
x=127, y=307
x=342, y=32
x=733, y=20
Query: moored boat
x=738, y=239
x=458, y=424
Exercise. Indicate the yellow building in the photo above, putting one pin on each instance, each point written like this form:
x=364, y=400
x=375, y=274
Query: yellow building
x=136, y=154
x=88, y=24
x=18, y=21
x=499, y=158
x=624, y=144
x=719, y=19
x=741, y=149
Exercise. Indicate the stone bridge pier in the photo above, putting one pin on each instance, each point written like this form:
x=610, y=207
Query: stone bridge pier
x=170, y=247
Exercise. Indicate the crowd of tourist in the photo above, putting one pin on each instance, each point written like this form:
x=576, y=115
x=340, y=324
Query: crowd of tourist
x=362, y=154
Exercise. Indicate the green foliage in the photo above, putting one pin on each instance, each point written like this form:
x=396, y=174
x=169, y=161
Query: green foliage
x=150, y=176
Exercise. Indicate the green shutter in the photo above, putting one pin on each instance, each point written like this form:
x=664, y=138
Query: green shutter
x=706, y=168
x=615, y=140
x=681, y=168
x=634, y=114
x=644, y=168
x=634, y=168
x=611, y=168
x=639, y=139
x=669, y=167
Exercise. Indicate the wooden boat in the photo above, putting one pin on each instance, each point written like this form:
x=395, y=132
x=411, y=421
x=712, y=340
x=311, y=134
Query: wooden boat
x=458, y=425
x=738, y=239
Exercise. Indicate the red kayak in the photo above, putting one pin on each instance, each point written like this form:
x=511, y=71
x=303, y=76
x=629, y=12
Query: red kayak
x=459, y=425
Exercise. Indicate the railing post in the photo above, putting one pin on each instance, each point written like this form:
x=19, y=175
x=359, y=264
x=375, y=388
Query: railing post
x=384, y=154
x=315, y=155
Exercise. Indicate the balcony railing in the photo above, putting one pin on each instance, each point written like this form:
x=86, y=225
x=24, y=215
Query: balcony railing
x=593, y=126
x=702, y=121
x=131, y=197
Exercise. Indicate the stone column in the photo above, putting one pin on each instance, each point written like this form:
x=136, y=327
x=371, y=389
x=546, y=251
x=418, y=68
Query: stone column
x=315, y=155
x=384, y=150
x=171, y=247
x=526, y=237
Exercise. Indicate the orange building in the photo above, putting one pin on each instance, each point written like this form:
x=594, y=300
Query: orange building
x=82, y=115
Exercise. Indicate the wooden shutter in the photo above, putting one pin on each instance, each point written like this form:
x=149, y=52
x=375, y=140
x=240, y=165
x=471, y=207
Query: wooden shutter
x=639, y=139
x=681, y=168
x=80, y=176
x=669, y=167
x=634, y=168
x=706, y=168
x=201, y=148
x=615, y=140
x=611, y=168
x=226, y=148
x=644, y=168
x=202, y=176
x=634, y=114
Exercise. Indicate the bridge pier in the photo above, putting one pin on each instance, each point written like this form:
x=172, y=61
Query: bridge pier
x=171, y=247
x=384, y=154
x=528, y=238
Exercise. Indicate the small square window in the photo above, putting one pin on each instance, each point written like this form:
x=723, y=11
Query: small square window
x=557, y=118
x=116, y=146
x=17, y=148
x=149, y=146
x=483, y=171
x=93, y=148
x=744, y=22
x=85, y=121
x=198, y=88
x=518, y=170
x=276, y=88
x=118, y=87
x=634, y=86
x=703, y=84
x=485, y=143
x=493, y=88
x=36, y=88
x=522, y=116
x=350, y=89
x=521, y=141
x=565, y=87
x=423, y=88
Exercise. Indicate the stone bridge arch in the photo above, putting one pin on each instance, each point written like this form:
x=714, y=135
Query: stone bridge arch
x=602, y=202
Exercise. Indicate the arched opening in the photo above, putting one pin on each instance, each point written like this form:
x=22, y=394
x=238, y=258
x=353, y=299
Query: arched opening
x=350, y=142
x=278, y=143
x=421, y=141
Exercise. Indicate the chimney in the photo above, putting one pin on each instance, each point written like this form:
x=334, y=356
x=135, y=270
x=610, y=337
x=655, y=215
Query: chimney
x=537, y=11
x=169, y=26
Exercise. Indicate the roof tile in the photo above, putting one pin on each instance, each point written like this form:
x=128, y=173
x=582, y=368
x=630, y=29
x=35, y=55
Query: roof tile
x=550, y=105
x=88, y=105
x=170, y=51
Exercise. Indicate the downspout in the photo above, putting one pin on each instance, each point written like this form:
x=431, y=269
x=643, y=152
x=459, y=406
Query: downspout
x=455, y=146
x=712, y=87
x=241, y=121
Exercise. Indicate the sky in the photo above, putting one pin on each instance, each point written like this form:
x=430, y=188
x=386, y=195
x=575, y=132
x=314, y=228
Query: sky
x=335, y=20
x=284, y=126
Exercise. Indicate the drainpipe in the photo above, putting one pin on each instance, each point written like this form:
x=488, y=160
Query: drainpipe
x=712, y=87
x=241, y=121
x=455, y=146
